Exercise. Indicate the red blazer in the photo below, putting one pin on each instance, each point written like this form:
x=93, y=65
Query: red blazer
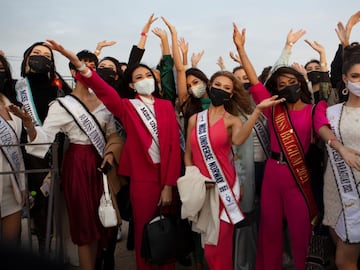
x=135, y=160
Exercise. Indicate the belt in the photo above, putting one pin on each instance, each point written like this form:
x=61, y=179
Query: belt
x=279, y=157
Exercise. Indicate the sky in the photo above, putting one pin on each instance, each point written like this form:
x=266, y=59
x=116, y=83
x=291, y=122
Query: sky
x=206, y=25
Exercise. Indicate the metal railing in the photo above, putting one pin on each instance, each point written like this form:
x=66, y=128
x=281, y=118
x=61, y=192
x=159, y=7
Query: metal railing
x=54, y=209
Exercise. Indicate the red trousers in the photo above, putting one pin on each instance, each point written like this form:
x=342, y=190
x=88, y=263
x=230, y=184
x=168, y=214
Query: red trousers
x=144, y=198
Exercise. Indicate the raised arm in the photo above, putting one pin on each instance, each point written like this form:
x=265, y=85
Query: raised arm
x=220, y=63
x=91, y=79
x=184, y=47
x=239, y=41
x=166, y=67
x=180, y=69
x=137, y=51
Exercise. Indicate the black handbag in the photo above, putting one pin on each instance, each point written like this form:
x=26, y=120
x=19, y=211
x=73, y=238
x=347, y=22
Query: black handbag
x=159, y=240
x=320, y=248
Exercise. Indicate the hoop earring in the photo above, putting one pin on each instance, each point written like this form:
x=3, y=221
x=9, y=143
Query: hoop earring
x=345, y=91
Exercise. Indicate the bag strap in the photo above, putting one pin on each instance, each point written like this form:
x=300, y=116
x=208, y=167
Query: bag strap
x=106, y=187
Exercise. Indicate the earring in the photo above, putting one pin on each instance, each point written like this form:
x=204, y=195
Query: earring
x=345, y=91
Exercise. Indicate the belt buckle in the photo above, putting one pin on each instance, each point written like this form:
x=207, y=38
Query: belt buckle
x=282, y=159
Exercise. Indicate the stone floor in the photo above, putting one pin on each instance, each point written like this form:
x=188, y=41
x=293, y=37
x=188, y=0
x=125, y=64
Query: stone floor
x=124, y=259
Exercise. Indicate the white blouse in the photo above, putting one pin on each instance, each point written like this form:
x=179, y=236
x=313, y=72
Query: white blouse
x=59, y=120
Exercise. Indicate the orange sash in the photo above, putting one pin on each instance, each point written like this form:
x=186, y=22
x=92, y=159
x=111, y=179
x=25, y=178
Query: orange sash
x=294, y=153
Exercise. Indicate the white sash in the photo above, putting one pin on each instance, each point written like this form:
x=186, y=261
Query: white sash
x=24, y=95
x=226, y=194
x=148, y=118
x=12, y=153
x=85, y=120
x=348, y=224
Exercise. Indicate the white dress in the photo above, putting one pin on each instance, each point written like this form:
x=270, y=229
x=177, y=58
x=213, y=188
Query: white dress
x=349, y=130
x=10, y=191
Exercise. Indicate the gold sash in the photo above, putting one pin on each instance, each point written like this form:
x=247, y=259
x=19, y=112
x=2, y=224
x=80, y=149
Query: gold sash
x=294, y=153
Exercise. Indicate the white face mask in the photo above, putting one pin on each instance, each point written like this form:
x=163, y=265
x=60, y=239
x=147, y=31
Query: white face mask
x=198, y=90
x=354, y=88
x=145, y=86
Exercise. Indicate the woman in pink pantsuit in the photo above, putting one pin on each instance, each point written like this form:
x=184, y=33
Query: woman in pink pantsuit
x=281, y=197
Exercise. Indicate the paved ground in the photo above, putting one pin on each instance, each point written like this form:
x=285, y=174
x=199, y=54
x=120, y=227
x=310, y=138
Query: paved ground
x=124, y=259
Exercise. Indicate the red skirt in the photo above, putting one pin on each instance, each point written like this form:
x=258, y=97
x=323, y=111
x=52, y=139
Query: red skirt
x=83, y=188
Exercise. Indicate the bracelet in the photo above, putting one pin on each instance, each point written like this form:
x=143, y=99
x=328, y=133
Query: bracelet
x=87, y=74
x=291, y=43
x=322, y=64
x=144, y=34
x=82, y=68
x=331, y=140
x=97, y=51
x=30, y=128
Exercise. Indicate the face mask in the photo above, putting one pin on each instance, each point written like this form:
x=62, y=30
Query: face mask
x=291, y=93
x=39, y=63
x=314, y=77
x=354, y=88
x=247, y=85
x=218, y=96
x=198, y=90
x=2, y=80
x=145, y=86
x=107, y=74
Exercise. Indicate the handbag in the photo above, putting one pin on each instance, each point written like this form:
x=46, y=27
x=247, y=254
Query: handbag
x=159, y=240
x=107, y=213
x=319, y=252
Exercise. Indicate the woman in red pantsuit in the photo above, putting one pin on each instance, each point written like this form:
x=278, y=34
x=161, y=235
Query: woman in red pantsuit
x=152, y=147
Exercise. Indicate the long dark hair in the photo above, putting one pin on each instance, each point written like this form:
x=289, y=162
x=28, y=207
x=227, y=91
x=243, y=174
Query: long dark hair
x=271, y=83
x=26, y=57
x=8, y=89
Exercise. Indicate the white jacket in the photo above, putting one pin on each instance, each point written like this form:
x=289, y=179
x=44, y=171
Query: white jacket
x=200, y=205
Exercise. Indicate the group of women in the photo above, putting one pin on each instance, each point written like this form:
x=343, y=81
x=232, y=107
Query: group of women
x=122, y=117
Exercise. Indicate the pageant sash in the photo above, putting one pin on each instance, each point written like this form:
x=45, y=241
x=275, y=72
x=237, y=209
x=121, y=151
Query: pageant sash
x=263, y=135
x=85, y=120
x=147, y=117
x=348, y=224
x=226, y=194
x=9, y=140
x=24, y=95
x=293, y=151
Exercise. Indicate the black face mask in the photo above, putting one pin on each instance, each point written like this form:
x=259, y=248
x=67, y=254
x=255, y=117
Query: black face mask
x=218, y=96
x=2, y=80
x=291, y=93
x=107, y=74
x=314, y=76
x=39, y=64
x=247, y=85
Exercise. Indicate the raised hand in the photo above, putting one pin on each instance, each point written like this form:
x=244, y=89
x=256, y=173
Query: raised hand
x=316, y=46
x=269, y=102
x=148, y=24
x=67, y=53
x=183, y=45
x=172, y=28
x=293, y=37
x=300, y=68
x=161, y=33
x=239, y=38
x=104, y=43
x=196, y=57
x=235, y=57
x=220, y=63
